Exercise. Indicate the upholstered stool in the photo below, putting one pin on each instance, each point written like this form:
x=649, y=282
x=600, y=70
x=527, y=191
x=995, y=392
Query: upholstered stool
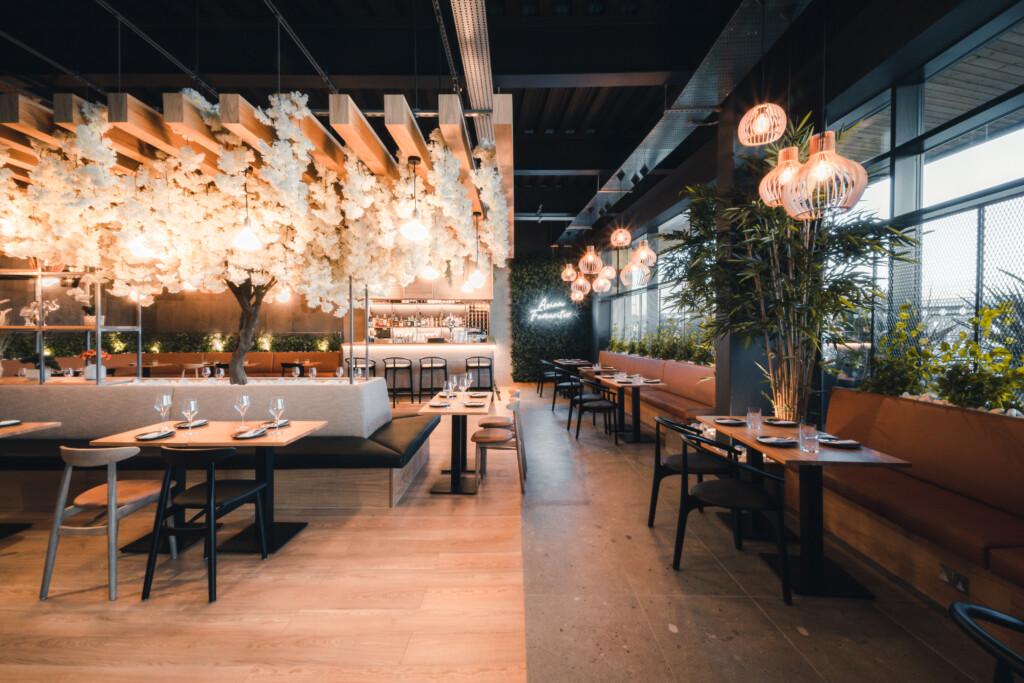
x=500, y=421
x=394, y=367
x=478, y=365
x=360, y=364
x=488, y=439
x=431, y=365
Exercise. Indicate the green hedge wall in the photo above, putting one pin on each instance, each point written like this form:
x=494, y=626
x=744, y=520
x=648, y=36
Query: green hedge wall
x=531, y=279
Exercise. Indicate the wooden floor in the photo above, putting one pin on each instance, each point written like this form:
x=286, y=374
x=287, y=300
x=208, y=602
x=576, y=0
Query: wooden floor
x=431, y=590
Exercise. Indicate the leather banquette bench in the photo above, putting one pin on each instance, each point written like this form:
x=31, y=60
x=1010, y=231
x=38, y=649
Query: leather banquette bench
x=959, y=506
x=361, y=458
x=686, y=390
x=262, y=363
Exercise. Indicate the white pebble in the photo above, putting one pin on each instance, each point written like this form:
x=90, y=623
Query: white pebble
x=673, y=628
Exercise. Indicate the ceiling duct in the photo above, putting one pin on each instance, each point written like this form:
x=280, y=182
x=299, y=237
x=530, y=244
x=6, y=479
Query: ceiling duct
x=736, y=51
x=475, y=48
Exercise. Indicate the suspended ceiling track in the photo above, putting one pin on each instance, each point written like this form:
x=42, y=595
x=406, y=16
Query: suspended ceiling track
x=736, y=51
x=475, y=48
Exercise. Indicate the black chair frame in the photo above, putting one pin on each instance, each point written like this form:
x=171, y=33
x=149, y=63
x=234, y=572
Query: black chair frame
x=393, y=366
x=604, y=404
x=436, y=364
x=670, y=465
x=966, y=615
x=563, y=385
x=478, y=365
x=548, y=373
x=361, y=363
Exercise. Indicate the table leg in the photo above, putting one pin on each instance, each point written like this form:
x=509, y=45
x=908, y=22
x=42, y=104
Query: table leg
x=812, y=573
x=755, y=526
x=458, y=482
x=636, y=436
x=621, y=407
x=278, y=533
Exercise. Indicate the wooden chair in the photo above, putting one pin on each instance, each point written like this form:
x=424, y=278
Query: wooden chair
x=499, y=421
x=735, y=494
x=479, y=365
x=669, y=464
x=604, y=404
x=394, y=367
x=214, y=498
x=496, y=439
x=111, y=500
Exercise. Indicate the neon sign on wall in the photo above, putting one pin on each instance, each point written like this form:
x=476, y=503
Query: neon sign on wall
x=551, y=311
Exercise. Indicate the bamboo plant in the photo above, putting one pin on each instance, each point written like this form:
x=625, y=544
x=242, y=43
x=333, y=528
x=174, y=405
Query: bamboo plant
x=760, y=275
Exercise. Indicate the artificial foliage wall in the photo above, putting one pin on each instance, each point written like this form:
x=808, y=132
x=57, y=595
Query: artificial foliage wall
x=546, y=324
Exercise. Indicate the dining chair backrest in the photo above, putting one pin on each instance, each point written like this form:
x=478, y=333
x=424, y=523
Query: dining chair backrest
x=96, y=457
x=727, y=454
x=195, y=458
x=597, y=388
x=359, y=362
x=397, y=362
x=966, y=615
x=675, y=426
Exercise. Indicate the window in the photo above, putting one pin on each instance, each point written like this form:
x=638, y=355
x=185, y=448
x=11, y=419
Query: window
x=870, y=138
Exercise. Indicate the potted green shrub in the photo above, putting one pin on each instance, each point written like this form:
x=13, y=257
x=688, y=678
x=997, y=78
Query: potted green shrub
x=51, y=366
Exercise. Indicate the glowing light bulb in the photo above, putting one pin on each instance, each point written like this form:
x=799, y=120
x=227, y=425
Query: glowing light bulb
x=761, y=123
x=466, y=287
x=246, y=239
x=476, y=279
x=568, y=273
x=576, y=296
x=50, y=281
x=430, y=273
x=602, y=284
x=134, y=295
x=414, y=231
x=607, y=273
x=139, y=247
x=190, y=287
x=284, y=295
x=621, y=238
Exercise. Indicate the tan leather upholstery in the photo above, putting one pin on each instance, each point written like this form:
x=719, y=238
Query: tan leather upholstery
x=128, y=491
x=500, y=422
x=1007, y=563
x=687, y=390
x=669, y=404
x=694, y=382
x=491, y=436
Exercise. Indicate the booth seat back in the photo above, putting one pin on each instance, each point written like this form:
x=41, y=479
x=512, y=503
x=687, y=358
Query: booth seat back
x=73, y=362
x=328, y=361
x=262, y=362
x=690, y=381
x=975, y=454
x=90, y=412
x=176, y=363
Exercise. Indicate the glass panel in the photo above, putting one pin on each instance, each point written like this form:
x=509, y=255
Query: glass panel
x=870, y=138
x=1004, y=262
x=877, y=198
x=975, y=161
x=949, y=253
x=983, y=75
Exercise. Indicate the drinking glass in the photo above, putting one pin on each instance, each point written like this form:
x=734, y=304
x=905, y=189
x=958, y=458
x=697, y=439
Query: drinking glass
x=464, y=382
x=189, y=408
x=162, y=405
x=808, y=438
x=312, y=373
x=276, y=408
x=242, y=405
x=339, y=372
x=220, y=373
x=207, y=372
x=359, y=374
x=753, y=418
x=449, y=388
x=296, y=371
x=68, y=372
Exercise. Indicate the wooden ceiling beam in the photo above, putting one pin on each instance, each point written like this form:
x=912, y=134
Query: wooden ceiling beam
x=184, y=119
x=19, y=174
x=239, y=117
x=145, y=123
x=326, y=148
x=348, y=122
x=402, y=126
x=15, y=140
x=131, y=152
x=22, y=160
x=501, y=120
x=456, y=137
x=27, y=117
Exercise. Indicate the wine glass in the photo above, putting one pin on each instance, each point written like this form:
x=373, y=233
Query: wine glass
x=296, y=372
x=312, y=373
x=339, y=372
x=276, y=408
x=449, y=388
x=189, y=408
x=242, y=405
x=162, y=405
x=220, y=373
x=464, y=381
x=206, y=372
x=359, y=374
x=68, y=372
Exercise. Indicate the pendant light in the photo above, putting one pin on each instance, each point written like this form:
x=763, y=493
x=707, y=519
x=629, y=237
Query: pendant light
x=430, y=273
x=644, y=255
x=466, y=287
x=414, y=231
x=284, y=295
x=246, y=239
x=826, y=182
x=621, y=238
x=773, y=185
x=603, y=284
x=766, y=122
x=581, y=285
x=591, y=263
x=626, y=274
x=568, y=273
x=606, y=273
x=576, y=296
x=476, y=279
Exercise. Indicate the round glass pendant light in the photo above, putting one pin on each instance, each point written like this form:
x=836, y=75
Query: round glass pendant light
x=568, y=273
x=826, y=182
x=576, y=296
x=591, y=263
x=606, y=273
x=762, y=125
x=644, y=255
x=284, y=295
x=246, y=239
x=621, y=238
x=476, y=280
x=466, y=287
x=602, y=285
x=414, y=231
x=773, y=185
x=430, y=273
x=581, y=285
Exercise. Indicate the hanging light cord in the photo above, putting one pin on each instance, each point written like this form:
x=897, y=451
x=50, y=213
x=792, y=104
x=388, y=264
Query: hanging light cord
x=447, y=48
x=763, y=3
x=824, y=63
x=281, y=21
x=36, y=53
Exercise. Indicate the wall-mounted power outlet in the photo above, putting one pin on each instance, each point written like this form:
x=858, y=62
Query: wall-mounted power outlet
x=954, y=579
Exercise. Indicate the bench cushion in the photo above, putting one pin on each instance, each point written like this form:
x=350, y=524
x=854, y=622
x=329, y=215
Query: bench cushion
x=1007, y=563
x=693, y=382
x=950, y=520
x=672, y=404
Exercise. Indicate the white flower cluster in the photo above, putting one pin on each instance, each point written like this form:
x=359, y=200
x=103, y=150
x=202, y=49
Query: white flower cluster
x=170, y=227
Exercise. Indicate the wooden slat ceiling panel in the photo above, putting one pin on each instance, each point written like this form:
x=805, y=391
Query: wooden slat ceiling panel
x=554, y=106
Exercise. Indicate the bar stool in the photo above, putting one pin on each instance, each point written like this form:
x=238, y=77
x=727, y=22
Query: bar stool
x=500, y=421
x=394, y=366
x=119, y=501
x=214, y=498
x=192, y=366
x=430, y=365
x=361, y=365
x=479, y=365
x=495, y=439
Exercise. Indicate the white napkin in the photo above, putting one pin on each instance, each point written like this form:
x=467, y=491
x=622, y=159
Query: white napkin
x=149, y=436
x=252, y=433
x=10, y=423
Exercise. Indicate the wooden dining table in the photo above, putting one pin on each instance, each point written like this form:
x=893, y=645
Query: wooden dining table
x=458, y=481
x=637, y=384
x=219, y=435
x=811, y=573
x=9, y=529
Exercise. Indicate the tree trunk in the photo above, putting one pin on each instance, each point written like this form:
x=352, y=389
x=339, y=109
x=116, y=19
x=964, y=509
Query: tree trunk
x=250, y=299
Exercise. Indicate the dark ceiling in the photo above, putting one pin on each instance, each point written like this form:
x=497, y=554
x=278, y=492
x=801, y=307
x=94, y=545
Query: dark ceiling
x=589, y=78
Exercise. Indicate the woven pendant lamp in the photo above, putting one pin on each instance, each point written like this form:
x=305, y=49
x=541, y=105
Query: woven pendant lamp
x=762, y=125
x=602, y=285
x=621, y=238
x=827, y=182
x=607, y=273
x=644, y=255
x=591, y=263
x=568, y=273
x=576, y=296
x=581, y=285
x=774, y=183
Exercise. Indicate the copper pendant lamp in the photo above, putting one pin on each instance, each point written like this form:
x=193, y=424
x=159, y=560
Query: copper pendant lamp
x=591, y=263
x=602, y=284
x=766, y=122
x=581, y=285
x=576, y=296
x=568, y=273
x=621, y=238
x=773, y=185
x=827, y=182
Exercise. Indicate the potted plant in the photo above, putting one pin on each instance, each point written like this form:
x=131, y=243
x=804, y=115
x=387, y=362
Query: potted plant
x=89, y=356
x=90, y=315
x=33, y=373
x=756, y=274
